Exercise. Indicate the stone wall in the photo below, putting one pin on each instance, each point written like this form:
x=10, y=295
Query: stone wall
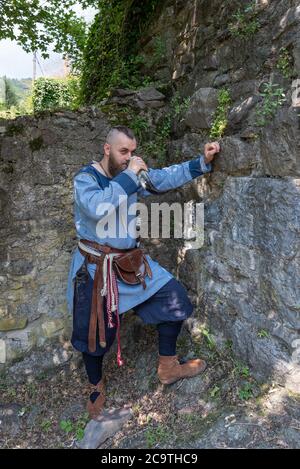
x=245, y=279
x=39, y=157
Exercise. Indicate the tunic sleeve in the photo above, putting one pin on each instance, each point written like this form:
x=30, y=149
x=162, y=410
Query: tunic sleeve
x=176, y=175
x=95, y=201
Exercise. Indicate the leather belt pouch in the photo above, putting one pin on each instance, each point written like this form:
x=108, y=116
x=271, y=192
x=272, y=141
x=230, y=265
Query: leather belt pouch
x=132, y=267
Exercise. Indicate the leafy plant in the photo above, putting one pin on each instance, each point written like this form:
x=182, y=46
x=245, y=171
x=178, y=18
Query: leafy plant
x=179, y=105
x=241, y=369
x=157, y=146
x=273, y=97
x=11, y=393
x=285, y=63
x=160, y=50
x=215, y=392
x=229, y=344
x=244, y=23
x=66, y=425
x=158, y=143
x=139, y=125
x=23, y=411
x=246, y=392
x=80, y=426
x=37, y=24
x=220, y=118
x=31, y=389
x=52, y=93
x=76, y=428
x=209, y=338
x=262, y=334
x=245, y=372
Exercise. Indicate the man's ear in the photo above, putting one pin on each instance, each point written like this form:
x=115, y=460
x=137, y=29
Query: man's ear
x=106, y=148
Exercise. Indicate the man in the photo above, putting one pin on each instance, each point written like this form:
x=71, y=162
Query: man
x=97, y=292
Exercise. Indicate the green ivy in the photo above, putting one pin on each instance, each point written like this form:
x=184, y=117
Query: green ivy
x=157, y=144
x=111, y=56
x=151, y=144
x=179, y=105
x=51, y=93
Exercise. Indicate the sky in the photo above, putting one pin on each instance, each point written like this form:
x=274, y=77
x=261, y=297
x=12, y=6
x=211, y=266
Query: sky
x=16, y=63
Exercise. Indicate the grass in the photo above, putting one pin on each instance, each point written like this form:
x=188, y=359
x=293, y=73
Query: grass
x=192, y=426
x=47, y=406
x=157, y=435
x=46, y=425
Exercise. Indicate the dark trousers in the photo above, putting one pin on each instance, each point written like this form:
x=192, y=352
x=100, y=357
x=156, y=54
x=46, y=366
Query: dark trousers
x=167, y=337
x=168, y=323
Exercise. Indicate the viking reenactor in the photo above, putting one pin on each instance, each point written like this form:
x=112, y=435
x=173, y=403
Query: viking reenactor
x=110, y=273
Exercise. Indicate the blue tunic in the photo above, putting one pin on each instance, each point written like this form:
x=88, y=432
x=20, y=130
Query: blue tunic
x=92, y=190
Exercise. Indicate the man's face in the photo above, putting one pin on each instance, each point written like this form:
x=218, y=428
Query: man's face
x=120, y=152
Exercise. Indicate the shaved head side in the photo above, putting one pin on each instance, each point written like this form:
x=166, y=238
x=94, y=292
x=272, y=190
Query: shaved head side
x=114, y=132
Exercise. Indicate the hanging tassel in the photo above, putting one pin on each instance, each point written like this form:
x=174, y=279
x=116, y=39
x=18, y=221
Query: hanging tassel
x=120, y=361
x=105, y=270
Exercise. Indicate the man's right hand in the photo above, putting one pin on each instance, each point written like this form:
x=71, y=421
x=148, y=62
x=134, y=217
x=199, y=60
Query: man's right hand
x=137, y=164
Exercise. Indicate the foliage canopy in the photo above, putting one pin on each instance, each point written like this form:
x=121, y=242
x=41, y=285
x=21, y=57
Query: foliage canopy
x=35, y=24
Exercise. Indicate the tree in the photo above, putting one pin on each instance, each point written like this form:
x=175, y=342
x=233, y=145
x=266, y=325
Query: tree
x=10, y=95
x=35, y=24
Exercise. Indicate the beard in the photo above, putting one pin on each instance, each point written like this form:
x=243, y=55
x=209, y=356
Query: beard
x=114, y=167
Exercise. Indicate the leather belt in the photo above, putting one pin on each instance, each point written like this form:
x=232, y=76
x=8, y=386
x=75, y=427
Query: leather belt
x=97, y=313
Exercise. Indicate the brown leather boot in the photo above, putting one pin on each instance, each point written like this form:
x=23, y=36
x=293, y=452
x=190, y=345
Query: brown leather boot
x=170, y=370
x=95, y=408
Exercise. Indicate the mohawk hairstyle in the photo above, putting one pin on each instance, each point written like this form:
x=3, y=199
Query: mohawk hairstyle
x=119, y=129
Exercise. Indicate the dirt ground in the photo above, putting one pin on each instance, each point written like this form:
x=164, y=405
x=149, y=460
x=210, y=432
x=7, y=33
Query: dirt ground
x=223, y=408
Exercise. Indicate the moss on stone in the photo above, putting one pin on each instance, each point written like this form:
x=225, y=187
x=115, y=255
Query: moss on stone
x=36, y=144
x=10, y=324
x=14, y=129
